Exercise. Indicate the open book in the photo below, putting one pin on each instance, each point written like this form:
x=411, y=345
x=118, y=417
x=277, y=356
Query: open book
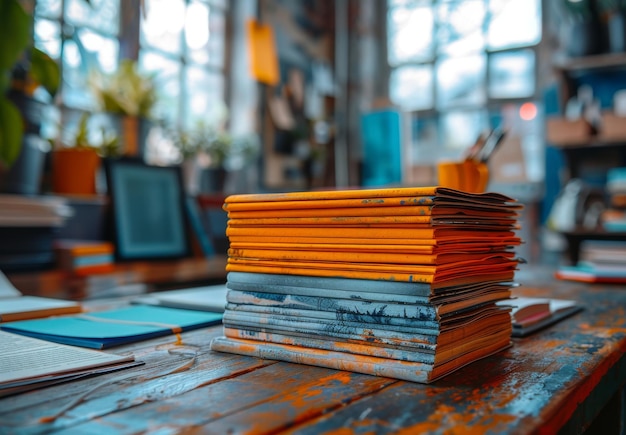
x=27, y=363
x=532, y=314
x=15, y=306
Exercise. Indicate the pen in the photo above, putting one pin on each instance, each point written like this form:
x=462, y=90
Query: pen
x=491, y=144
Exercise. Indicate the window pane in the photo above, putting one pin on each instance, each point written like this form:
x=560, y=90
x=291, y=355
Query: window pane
x=461, y=81
x=48, y=37
x=514, y=23
x=460, y=129
x=425, y=140
x=223, y=4
x=410, y=34
x=85, y=53
x=405, y=3
x=460, y=30
x=512, y=74
x=75, y=78
x=411, y=87
x=217, y=32
x=197, y=32
x=102, y=15
x=204, y=94
x=167, y=76
x=48, y=8
x=162, y=25
x=99, y=52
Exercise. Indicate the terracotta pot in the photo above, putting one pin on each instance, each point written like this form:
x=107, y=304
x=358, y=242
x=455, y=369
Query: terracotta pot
x=74, y=171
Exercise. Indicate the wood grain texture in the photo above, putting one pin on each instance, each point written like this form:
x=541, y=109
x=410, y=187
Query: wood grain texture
x=558, y=378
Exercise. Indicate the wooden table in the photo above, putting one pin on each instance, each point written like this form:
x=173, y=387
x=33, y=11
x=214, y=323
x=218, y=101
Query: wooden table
x=560, y=378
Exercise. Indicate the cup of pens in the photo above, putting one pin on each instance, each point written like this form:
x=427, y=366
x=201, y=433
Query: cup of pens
x=472, y=173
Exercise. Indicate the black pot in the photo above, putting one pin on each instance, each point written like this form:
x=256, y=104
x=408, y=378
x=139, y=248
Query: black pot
x=25, y=175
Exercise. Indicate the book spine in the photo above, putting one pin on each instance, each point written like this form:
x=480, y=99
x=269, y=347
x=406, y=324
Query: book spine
x=332, y=212
x=409, y=371
x=333, y=345
x=331, y=283
x=371, y=319
x=423, y=221
x=193, y=215
x=407, y=201
x=325, y=293
x=372, y=233
x=345, y=307
x=405, y=335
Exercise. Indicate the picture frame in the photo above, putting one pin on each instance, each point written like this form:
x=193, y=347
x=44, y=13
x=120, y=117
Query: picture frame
x=147, y=210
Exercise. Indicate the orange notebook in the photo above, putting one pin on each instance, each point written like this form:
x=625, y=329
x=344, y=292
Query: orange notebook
x=395, y=232
x=372, y=195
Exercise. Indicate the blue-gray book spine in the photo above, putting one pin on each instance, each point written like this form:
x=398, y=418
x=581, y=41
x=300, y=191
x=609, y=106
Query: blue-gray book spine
x=371, y=320
x=335, y=345
x=344, y=308
x=345, y=284
x=409, y=337
x=327, y=293
x=414, y=372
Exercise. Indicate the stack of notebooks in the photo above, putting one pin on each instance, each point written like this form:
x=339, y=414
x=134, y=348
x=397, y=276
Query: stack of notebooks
x=405, y=283
x=85, y=257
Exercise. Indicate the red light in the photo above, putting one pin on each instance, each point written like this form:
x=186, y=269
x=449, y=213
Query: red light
x=528, y=111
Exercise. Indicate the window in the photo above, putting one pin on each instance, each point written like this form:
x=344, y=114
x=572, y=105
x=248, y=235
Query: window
x=182, y=42
x=463, y=66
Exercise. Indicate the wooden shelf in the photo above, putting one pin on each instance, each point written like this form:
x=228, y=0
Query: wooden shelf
x=577, y=236
x=605, y=61
x=589, y=143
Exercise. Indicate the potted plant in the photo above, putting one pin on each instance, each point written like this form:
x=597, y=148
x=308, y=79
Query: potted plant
x=75, y=167
x=212, y=151
x=130, y=96
x=23, y=69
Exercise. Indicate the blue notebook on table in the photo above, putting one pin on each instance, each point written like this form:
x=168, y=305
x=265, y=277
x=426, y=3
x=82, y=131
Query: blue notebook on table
x=101, y=330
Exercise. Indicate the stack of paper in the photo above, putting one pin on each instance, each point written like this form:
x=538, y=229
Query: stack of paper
x=85, y=257
x=399, y=282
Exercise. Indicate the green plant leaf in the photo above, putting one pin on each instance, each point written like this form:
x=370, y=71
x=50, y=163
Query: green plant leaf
x=11, y=131
x=45, y=71
x=14, y=32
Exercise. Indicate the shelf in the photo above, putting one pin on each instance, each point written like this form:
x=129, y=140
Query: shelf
x=605, y=61
x=576, y=237
x=589, y=143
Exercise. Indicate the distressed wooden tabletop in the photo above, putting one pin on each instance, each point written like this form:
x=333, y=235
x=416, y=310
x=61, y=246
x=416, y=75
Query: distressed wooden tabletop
x=558, y=378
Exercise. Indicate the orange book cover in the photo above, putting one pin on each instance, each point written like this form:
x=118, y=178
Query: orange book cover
x=84, y=247
x=424, y=221
x=422, y=201
x=495, y=264
x=362, y=257
x=438, y=195
x=372, y=247
x=503, y=273
x=417, y=210
x=397, y=232
x=442, y=192
x=445, y=243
